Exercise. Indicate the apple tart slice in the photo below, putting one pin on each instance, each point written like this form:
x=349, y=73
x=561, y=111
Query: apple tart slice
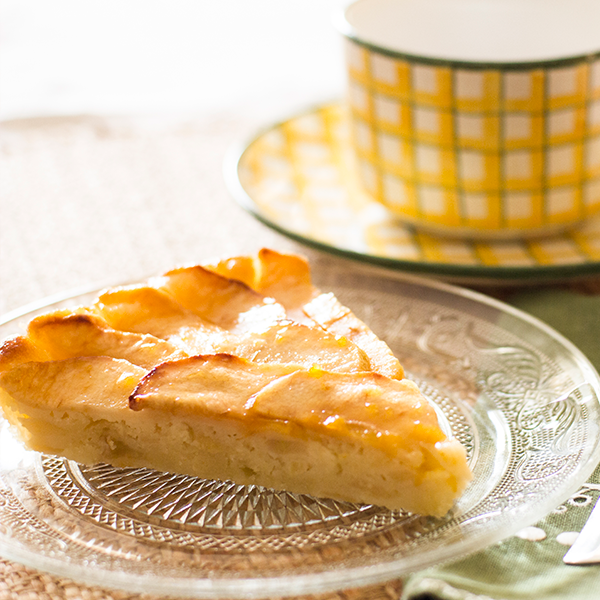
x=237, y=370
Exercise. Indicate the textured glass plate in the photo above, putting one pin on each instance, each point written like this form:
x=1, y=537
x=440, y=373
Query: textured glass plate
x=299, y=177
x=522, y=400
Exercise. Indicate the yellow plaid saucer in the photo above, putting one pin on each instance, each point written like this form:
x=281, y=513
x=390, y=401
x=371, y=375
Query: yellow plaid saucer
x=299, y=177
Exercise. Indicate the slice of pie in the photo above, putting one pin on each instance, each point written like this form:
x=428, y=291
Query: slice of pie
x=238, y=370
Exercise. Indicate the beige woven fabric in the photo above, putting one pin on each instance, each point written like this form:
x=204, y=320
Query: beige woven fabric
x=88, y=201
x=20, y=583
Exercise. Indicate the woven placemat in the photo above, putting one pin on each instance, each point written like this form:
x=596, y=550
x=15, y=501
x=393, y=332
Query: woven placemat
x=20, y=583
x=89, y=199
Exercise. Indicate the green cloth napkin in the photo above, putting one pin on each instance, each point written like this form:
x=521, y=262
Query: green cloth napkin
x=517, y=568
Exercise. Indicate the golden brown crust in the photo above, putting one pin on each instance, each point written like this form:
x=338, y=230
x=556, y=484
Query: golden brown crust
x=85, y=381
x=68, y=334
x=285, y=277
x=240, y=268
x=226, y=302
x=17, y=350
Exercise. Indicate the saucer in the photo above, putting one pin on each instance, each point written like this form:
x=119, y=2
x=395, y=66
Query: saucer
x=299, y=178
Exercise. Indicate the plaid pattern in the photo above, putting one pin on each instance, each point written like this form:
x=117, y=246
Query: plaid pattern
x=301, y=176
x=483, y=149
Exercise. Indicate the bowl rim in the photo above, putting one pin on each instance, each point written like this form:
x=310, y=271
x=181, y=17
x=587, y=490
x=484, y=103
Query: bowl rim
x=343, y=26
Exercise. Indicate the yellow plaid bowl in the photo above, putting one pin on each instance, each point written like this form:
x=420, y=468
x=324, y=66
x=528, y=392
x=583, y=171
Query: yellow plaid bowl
x=466, y=138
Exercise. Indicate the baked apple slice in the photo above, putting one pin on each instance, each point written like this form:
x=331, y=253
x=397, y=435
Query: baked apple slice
x=145, y=309
x=70, y=333
x=226, y=302
x=299, y=345
x=359, y=437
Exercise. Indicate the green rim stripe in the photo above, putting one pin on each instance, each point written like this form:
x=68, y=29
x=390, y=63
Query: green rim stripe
x=474, y=65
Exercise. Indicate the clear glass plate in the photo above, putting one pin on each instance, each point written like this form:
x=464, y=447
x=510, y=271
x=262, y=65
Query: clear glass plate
x=522, y=399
